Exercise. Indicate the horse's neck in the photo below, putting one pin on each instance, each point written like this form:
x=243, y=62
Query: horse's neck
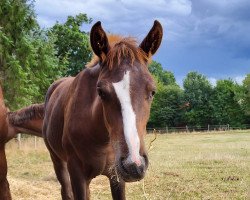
x=31, y=127
x=96, y=109
x=85, y=80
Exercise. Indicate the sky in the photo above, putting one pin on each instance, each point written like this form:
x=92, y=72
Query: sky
x=211, y=37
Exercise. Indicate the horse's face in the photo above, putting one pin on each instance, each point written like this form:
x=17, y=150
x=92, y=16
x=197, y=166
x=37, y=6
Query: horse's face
x=126, y=100
x=126, y=92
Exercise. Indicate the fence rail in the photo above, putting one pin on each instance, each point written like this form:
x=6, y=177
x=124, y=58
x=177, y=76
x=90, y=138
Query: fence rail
x=224, y=127
x=187, y=129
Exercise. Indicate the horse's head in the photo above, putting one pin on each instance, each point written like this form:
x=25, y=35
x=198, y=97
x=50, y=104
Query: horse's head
x=126, y=90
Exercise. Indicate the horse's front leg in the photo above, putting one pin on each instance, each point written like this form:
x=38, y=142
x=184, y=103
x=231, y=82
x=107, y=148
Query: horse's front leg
x=4, y=185
x=117, y=188
x=79, y=181
x=62, y=174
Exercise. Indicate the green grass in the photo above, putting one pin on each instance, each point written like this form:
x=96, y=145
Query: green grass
x=182, y=166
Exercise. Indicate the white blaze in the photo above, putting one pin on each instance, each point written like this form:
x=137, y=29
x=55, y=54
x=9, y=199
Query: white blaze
x=122, y=89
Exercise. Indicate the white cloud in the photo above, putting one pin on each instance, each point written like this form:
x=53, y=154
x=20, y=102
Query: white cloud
x=213, y=81
x=215, y=30
x=133, y=17
x=239, y=79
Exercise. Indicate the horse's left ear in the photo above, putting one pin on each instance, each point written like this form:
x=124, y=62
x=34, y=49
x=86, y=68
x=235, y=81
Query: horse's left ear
x=99, y=40
x=152, y=41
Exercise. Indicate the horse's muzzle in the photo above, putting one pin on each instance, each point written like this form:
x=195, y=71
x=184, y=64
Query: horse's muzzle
x=130, y=171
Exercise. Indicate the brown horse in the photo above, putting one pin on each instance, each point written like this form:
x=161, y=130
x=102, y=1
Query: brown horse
x=95, y=123
x=27, y=120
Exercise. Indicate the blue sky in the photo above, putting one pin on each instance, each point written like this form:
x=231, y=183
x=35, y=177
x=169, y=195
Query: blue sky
x=208, y=36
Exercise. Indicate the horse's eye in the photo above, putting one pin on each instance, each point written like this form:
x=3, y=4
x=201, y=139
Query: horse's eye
x=151, y=95
x=101, y=93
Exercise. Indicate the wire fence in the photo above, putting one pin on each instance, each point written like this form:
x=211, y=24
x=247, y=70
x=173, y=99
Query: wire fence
x=22, y=137
x=166, y=130
x=224, y=127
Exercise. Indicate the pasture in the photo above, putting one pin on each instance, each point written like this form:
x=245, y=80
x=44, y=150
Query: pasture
x=213, y=165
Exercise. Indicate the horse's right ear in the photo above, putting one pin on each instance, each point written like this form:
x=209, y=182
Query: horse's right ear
x=99, y=41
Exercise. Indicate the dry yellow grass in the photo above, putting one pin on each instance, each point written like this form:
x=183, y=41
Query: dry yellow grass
x=183, y=166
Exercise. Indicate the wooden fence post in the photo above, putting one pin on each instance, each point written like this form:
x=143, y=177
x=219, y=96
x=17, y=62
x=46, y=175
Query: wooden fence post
x=19, y=140
x=35, y=142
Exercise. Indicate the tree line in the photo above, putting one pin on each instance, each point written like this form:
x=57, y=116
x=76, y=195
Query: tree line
x=198, y=102
x=31, y=58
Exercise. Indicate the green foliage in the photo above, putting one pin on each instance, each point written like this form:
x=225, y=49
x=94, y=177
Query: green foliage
x=227, y=105
x=197, y=92
x=166, y=77
x=72, y=44
x=246, y=85
x=166, y=107
x=27, y=56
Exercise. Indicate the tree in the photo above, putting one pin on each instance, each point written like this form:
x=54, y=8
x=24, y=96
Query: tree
x=27, y=55
x=166, y=107
x=72, y=44
x=246, y=85
x=227, y=107
x=197, y=92
x=166, y=77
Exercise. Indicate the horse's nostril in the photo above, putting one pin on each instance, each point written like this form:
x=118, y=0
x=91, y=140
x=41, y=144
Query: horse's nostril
x=135, y=170
x=123, y=165
x=131, y=169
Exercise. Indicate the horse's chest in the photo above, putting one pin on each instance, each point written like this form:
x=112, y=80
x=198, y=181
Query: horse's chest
x=92, y=156
x=95, y=163
x=90, y=147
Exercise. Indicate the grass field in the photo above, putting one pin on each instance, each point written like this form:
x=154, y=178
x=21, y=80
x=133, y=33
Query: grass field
x=182, y=166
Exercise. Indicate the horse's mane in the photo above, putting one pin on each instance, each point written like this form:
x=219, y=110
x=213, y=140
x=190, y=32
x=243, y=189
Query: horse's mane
x=120, y=48
x=35, y=111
